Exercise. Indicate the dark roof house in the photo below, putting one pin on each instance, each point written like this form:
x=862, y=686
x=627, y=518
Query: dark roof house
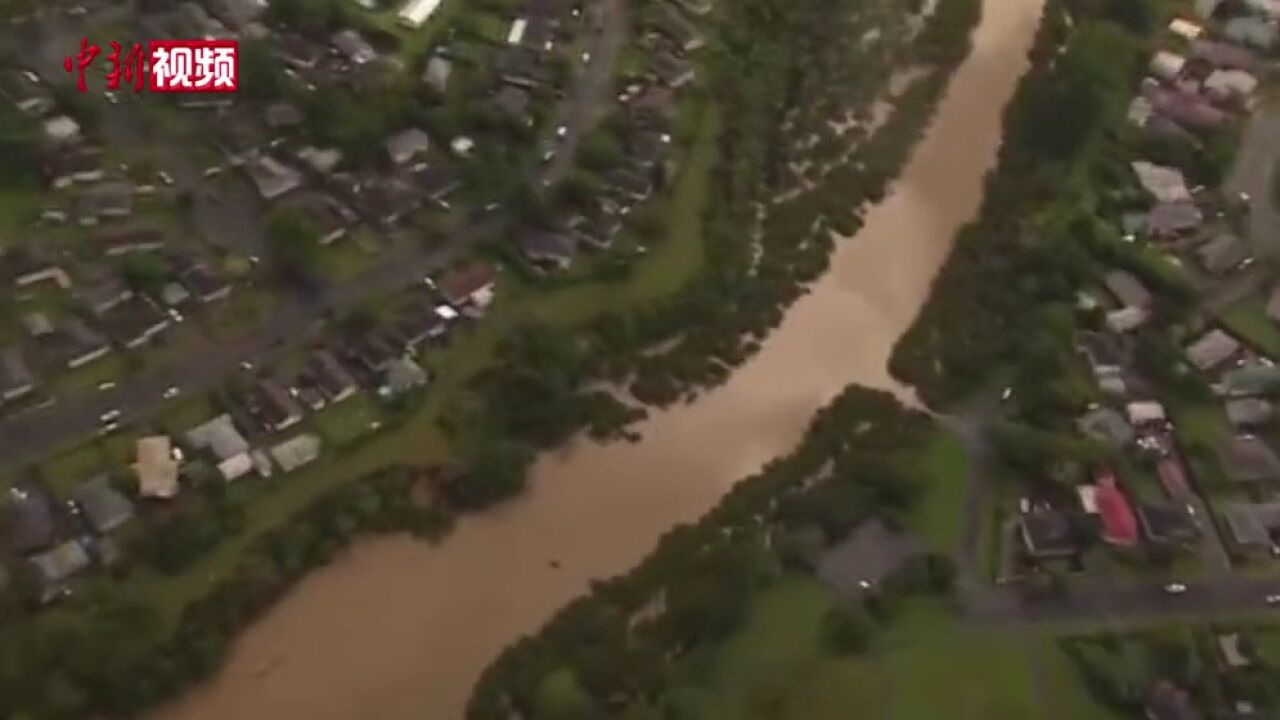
x=105, y=508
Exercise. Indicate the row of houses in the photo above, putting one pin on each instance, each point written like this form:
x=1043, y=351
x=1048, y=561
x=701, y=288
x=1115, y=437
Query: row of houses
x=647, y=107
x=110, y=314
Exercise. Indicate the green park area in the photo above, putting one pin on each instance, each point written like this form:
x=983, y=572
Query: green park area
x=926, y=665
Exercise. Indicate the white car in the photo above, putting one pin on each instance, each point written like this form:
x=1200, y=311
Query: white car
x=1175, y=588
x=109, y=416
x=171, y=392
x=562, y=131
x=1273, y=599
x=105, y=386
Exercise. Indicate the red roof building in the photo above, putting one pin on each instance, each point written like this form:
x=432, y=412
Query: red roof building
x=1119, y=526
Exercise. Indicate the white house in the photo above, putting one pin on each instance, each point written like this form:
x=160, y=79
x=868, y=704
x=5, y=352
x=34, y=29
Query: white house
x=415, y=12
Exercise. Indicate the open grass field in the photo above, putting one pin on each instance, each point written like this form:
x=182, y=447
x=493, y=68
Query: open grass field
x=927, y=665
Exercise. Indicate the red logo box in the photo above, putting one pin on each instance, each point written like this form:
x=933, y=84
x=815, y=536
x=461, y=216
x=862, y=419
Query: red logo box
x=190, y=66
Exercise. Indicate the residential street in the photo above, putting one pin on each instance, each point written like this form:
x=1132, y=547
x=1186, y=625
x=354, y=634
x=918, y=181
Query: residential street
x=593, y=91
x=1255, y=161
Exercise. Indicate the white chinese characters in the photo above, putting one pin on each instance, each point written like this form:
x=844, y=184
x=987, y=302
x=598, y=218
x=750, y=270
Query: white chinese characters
x=193, y=66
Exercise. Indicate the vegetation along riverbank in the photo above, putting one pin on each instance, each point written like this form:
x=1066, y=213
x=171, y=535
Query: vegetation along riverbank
x=749, y=224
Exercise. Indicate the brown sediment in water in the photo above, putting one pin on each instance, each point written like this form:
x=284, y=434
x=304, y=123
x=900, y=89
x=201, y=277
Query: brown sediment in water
x=396, y=629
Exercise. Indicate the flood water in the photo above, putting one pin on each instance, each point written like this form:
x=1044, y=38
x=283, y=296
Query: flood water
x=397, y=629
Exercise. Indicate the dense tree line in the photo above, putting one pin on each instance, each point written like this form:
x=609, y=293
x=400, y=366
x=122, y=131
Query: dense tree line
x=1120, y=670
x=1037, y=238
x=622, y=642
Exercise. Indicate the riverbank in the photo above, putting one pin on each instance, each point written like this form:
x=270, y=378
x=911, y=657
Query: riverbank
x=595, y=509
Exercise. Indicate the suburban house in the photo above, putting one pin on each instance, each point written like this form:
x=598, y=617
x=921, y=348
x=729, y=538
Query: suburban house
x=1168, y=220
x=1167, y=524
x=1165, y=184
x=156, y=467
x=105, y=508
x=281, y=409
x=1251, y=525
x=30, y=518
x=204, y=283
x=271, y=177
x=1232, y=654
x=415, y=12
x=330, y=216
x=1222, y=254
x=1212, y=350
x=15, y=379
x=547, y=250
x=1187, y=110
x=135, y=322
x=102, y=291
x=282, y=115
x=679, y=30
x=353, y=47
x=23, y=89
x=1167, y=701
x=82, y=344
x=1106, y=426
x=1246, y=459
x=513, y=101
x=1251, y=31
x=1105, y=353
x=104, y=201
x=374, y=351
x=1128, y=289
x=119, y=242
x=407, y=145
x=54, y=567
x=1223, y=55
x=1047, y=533
x=436, y=73
x=1166, y=65
x=296, y=452
x=220, y=437
x=471, y=284
x=1119, y=526
x=1146, y=413
x=401, y=376
x=1249, y=412
x=332, y=377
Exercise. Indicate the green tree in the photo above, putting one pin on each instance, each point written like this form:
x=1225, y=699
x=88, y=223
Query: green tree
x=293, y=246
x=144, y=273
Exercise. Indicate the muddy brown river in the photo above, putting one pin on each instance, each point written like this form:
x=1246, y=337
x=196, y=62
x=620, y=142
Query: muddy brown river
x=396, y=629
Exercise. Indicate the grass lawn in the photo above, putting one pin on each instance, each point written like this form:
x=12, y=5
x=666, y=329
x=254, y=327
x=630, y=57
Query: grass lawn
x=344, y=259
x=924, y=666
x=1248, y=321
x=16, y=208
x=340, y=424
x=938, y=518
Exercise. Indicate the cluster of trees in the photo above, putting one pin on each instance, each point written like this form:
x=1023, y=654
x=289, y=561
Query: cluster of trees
x=621, y=642
x=19, y=149
x=99, y=653
x=1014, y=270
x=1120, y=670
